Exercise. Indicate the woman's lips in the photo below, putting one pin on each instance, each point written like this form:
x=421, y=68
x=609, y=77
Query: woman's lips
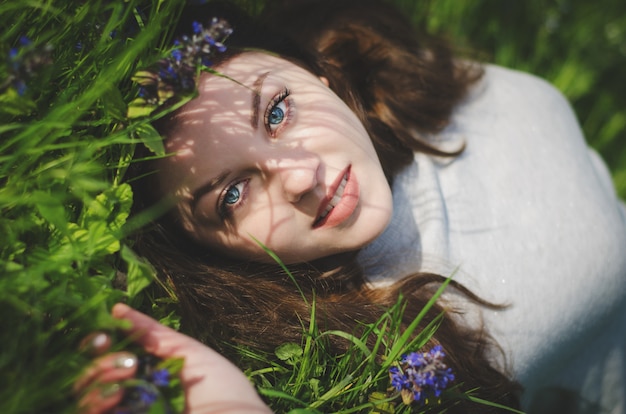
x=341, y=203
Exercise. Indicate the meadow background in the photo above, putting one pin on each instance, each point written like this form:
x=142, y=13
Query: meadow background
x=65, y=143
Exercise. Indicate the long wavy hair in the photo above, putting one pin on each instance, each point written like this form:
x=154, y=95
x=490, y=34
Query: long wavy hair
x=404, y=87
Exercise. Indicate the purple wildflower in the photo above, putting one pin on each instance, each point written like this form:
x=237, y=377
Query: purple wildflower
x=421, y=374
x=20, y=86
x=25, y=41
x=197, y=28
x=176, y=73
x=138, y=398
x=177, y=54
x=147, y=395
x=23, y=62
x=161, y=377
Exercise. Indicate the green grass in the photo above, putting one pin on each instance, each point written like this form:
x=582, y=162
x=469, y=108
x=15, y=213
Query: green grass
x=64, y=145
x=308, y=378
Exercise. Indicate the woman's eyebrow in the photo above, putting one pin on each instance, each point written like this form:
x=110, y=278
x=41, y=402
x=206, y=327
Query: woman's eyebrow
x=256, y=99
x=207, y=188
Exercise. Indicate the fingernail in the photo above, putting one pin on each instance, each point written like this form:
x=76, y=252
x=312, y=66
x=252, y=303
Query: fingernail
x=100, y=341
x=109, y=390
x=126, y=361
x=96, y=343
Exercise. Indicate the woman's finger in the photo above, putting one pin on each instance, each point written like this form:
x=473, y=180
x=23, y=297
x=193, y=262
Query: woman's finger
x=155, y=338
x=163, y=342
x=101, y=399
x=211, y=382
x=96, y=343
x=111, y=368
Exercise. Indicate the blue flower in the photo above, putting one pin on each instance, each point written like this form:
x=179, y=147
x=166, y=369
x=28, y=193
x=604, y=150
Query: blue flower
x=197, y=27
x=25, y=41
x=20, y=86
x=176, y=73
x=421, y=374
x=398, y=381
x=24, y=62
x=147, y=395
x=138, y=398
x=161, y=377
x=177, y=54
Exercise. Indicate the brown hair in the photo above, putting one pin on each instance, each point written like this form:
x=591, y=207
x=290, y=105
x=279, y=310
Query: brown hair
x=404, y=88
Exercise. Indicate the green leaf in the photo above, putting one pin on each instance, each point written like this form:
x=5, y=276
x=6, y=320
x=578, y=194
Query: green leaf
x=140, y=273
x=113, y=103
x=382, y=403
x=100, y=240
x=12, y=103
x=139, y=108
x=151, y=138
x=112, y=206
x=50, y=209
x=177, y=403
x=159, y=407
x=314, y=383
x=103, y=219
x=289, y=352
x=173, y=365
x=171, y=320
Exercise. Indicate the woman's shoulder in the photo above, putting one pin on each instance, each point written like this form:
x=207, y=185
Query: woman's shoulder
x=515, y=77
x=520, y=111
x=512, y=86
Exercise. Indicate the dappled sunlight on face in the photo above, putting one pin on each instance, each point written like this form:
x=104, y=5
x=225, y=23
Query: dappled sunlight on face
x=269, y=152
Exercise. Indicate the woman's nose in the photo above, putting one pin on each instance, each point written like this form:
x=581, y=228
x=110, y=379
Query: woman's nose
x=297, y=176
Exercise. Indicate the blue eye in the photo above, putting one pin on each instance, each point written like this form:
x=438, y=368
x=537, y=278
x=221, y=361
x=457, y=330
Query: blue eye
x=232, y=195
x=276, y=115
x=278, y=112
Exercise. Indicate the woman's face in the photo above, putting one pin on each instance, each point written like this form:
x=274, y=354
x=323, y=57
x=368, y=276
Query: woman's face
x=269, y=153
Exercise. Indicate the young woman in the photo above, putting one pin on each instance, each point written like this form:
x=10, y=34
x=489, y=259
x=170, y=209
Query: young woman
x=371, y=161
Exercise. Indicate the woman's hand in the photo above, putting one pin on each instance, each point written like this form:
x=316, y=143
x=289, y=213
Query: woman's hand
x=212, y=384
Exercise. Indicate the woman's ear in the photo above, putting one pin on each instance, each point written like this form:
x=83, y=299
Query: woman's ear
x=324, y=80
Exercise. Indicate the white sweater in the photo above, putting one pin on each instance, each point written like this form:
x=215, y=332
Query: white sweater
x=529, y=216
